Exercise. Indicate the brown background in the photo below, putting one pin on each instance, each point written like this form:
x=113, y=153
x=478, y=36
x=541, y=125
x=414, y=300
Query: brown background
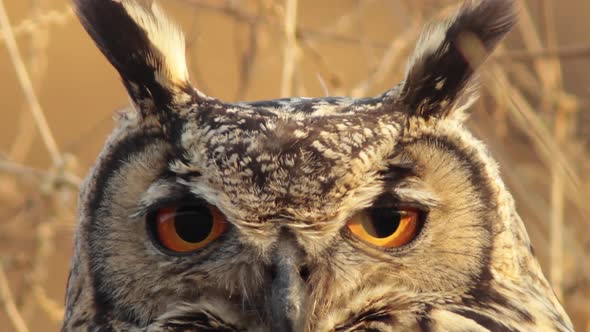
x=235, y=52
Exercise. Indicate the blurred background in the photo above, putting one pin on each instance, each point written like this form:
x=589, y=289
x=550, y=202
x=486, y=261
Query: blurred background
x=58, y=95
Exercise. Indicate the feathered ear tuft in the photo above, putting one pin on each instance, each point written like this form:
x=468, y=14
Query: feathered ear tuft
x=440, y=71
x=145, y=47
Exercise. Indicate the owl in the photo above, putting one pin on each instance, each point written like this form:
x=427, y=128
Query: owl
x=300, y=214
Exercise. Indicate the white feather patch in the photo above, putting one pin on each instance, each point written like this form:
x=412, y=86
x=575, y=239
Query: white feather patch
x=430, y=40
x=165, y=36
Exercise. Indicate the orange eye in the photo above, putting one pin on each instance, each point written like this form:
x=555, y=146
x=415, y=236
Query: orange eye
x=187, y=228
x=385, y=227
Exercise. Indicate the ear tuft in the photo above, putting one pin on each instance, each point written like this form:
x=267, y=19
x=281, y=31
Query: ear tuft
x=440, y=71
x=145, y=47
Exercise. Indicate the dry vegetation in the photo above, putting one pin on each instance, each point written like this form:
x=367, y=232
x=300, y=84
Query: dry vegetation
x=533, y=114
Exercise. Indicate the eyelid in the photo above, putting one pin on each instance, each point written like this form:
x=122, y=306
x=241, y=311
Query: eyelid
x=180, y=198
x=391, y=199
x=426, y=200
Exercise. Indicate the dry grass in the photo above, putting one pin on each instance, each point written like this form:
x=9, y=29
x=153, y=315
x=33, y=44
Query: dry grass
x=535, y=125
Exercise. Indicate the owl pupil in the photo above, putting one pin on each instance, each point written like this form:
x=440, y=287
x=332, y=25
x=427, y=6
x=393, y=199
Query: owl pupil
x=193, y=224
x=382, y=222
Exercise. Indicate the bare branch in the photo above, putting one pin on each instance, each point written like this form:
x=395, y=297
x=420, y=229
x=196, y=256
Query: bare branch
x=27, y=87
x=8, y=303
x=290, y=49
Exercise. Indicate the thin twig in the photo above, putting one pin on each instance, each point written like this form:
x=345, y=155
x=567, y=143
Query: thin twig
x=557, y=182
x=331, y=76
x=530, y=122
x=562, y=52
x=21, y=170
x=27, y=87
x=52, y=308
x=229, y=9
x=45, y=246
x=37, y=61
x=290, y=48
x=33, y=25
x=8, y=303
x=26, y=171
x=390, y=58
x=247, y=60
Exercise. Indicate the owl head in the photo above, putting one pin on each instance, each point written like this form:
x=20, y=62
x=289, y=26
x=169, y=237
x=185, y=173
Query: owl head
x=300, y=214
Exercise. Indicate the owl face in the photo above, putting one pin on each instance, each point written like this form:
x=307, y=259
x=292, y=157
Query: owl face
x=302, y=214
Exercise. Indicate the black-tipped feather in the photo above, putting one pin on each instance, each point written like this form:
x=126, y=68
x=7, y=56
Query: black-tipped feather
x=143, y=65
x=449, y=52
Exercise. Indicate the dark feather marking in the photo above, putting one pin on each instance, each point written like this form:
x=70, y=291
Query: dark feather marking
x=484, y=320
x=79, y=322
x=437, y=77
x=121, y=153
x=198, y=321
x=424, y=321
x=485, y=296
x=558, y=321
x=395, y=173
x=100, y=327
x=383, y=315
x=131, y=53
x=109, y=165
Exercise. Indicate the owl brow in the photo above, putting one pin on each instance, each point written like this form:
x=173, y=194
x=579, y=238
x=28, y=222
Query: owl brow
x=407, y=197
x=418, y=196
x=160, y=193
x=403, y=186
x=397, y=171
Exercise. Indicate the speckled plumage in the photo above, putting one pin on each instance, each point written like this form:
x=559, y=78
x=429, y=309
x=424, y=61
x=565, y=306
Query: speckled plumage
x=288, y=174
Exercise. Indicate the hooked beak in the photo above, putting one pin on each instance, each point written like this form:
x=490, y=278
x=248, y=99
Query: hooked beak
x=289, y=293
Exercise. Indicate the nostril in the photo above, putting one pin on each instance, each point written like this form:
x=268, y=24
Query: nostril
x=304, y=272
x=273, y=272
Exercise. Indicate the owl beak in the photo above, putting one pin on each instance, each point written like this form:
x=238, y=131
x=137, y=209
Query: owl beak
x=289, y=294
